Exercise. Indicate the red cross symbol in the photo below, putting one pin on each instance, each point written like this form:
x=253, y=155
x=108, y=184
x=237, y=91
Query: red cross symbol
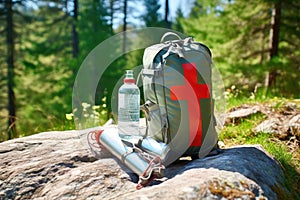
x=192, y=92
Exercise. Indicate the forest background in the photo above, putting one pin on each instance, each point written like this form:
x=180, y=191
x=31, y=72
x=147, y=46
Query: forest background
x=256, y=47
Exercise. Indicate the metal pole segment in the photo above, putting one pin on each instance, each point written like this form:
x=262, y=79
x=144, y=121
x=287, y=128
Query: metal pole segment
x=110, y=139
x=153, y=147
x=144, y=164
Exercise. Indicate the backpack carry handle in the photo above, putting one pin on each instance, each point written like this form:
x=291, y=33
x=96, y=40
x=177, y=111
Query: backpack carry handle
x=168, y=34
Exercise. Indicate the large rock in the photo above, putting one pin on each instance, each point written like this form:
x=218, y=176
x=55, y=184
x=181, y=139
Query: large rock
x=57, y=165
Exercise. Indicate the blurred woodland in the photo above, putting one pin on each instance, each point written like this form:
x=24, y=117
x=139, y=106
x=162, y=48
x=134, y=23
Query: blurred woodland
x=256, y=47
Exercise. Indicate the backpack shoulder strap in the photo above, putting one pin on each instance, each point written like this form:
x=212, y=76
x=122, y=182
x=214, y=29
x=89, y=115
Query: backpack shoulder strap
x=150, y=54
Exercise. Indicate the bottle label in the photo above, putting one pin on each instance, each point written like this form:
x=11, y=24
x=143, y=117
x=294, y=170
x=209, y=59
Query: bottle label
x=129, y=108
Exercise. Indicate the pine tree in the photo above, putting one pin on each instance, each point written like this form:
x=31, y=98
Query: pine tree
x=48, y=66
x=167, y=22
x=93, y=24
x=152, y=17
x=75, y=41
x=3, y=79
x=11, y=19
x=113, y=8
x=177, y=25
x=125, y=16
x=10, y=42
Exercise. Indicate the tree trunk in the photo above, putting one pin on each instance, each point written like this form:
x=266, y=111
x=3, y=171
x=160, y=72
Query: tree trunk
x=111, y=7
x=74, y=31
x=124, y=25
x=274, y=42
x=11, y=131
x=168, y=25
x=263, y=39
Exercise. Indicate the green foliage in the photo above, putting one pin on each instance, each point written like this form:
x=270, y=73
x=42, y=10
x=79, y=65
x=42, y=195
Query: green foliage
x=241, y=132
x=152, y=17
x=93, y=26
x=46, y=68
x=43, y=88
x=177, y=25
x=238, y=33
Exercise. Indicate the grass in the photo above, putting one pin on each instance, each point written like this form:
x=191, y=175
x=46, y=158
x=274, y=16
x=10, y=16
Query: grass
x=242, y=133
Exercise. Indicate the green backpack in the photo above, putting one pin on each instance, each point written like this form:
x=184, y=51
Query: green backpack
x=178, y=96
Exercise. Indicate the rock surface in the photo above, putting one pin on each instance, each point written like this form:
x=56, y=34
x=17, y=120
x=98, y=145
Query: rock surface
x=57, y=165
x=244, y=111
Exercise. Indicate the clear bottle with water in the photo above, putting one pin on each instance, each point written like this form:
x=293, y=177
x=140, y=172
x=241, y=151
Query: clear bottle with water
x=129, y=109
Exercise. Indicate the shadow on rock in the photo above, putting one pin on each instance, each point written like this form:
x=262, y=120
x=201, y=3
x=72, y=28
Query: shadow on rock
x=251, y=161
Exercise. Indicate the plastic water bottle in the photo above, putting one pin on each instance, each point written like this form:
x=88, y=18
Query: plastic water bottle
x=129, y=109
